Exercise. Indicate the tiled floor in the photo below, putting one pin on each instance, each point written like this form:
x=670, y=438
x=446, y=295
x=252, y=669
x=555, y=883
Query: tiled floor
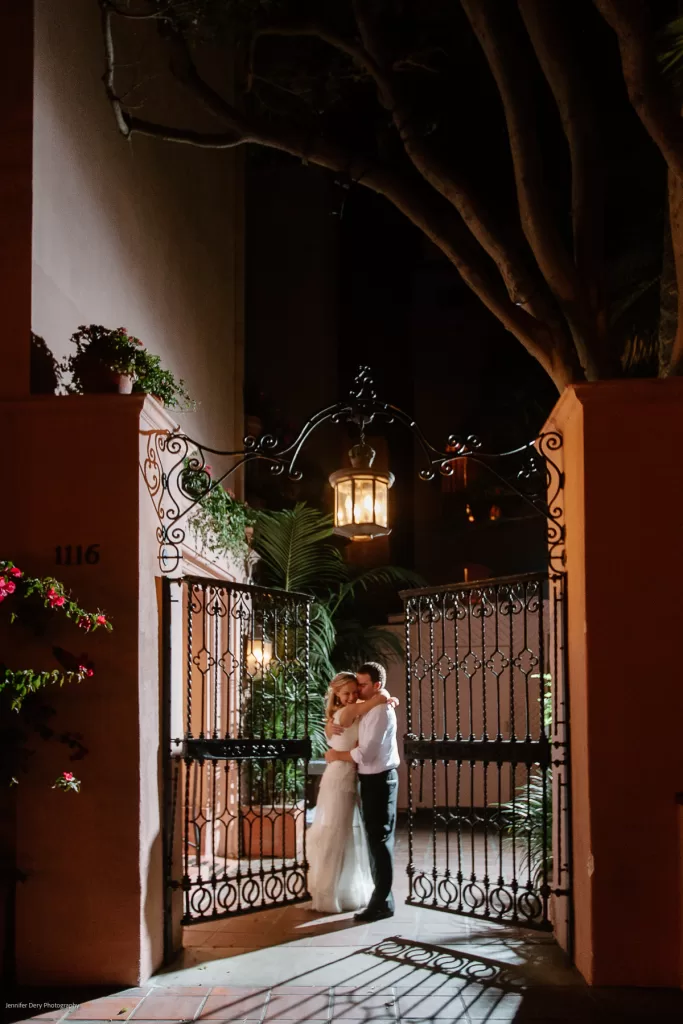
x=292, y=965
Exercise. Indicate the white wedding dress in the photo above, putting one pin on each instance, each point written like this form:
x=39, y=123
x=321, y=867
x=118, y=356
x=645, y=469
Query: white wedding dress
x=339, y=876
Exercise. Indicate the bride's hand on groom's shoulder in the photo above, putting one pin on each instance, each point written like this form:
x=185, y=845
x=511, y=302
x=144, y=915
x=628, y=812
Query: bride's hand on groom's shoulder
x=392, y=701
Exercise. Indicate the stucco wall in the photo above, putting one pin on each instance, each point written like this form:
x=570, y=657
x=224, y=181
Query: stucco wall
x=142, y=234
x=624, y=484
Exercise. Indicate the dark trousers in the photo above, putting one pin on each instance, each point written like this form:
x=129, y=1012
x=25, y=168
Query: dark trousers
x=379, y=796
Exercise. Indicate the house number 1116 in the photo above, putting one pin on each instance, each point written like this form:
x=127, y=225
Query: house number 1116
x=71, y=554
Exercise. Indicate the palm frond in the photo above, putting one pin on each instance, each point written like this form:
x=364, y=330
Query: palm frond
x=385, y=575
x=528, y=822
x=621, y=306
x=357, y=643
x=323, y=638
x=671, y=52
x=296, y=551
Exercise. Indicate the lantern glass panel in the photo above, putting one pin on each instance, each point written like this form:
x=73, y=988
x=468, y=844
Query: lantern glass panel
x=259, y=656
x=380, y=503
x=363, y=506
x=344, y=506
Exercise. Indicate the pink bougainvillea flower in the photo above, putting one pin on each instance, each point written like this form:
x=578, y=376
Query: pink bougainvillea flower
x=69, y=776
x=7, y=586
x=56, y=600
x=85, y=670
x=85, y=623
x=15, y=572
x=101, y=620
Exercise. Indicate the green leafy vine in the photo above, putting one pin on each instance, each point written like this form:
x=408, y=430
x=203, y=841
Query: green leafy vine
x=219, y=521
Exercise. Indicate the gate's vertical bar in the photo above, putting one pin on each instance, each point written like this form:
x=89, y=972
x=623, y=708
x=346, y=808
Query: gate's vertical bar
x=409, y=730
x=565, y=822
x=458, y=736
x=485, y=596
x=433, y=605
x=545, y=795
x=307, y=662
x=187, y=760
x=168, y=762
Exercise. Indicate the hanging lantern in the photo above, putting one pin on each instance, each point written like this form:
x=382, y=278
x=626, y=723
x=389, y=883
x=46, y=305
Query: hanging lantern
x=361, y=497
x=258, y=655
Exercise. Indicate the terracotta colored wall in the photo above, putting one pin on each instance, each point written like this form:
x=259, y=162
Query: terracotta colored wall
x=137, y=233
x=80, y=852
x=624, y=486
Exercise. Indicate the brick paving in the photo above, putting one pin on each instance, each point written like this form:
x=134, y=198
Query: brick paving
x=291, y=965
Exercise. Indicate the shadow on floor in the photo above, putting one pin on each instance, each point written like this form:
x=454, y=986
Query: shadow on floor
x=494, y=990
x=402, y=980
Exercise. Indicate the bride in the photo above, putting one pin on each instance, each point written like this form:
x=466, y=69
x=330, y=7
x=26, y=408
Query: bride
x=339, y=876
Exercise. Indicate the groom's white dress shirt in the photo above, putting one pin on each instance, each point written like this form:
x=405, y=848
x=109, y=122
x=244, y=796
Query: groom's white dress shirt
x=377, y=749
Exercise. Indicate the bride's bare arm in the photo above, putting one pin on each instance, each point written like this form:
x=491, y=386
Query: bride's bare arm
x=353, y=711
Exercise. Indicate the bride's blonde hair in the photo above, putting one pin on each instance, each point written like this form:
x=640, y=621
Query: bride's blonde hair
x=333, y=703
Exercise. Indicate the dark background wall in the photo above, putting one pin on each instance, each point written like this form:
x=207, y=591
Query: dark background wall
x=338, y=278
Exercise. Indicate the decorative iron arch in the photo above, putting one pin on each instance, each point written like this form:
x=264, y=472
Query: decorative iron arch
x=173, y=459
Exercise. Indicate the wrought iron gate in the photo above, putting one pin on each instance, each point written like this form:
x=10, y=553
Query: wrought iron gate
x=236, y=737
x=487, y=749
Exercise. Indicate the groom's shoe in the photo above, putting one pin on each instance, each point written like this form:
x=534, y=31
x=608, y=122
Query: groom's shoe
x=368, y=915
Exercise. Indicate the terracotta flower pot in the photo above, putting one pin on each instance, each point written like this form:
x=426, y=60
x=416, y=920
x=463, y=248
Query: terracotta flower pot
x=272, y=831
x=96, y=378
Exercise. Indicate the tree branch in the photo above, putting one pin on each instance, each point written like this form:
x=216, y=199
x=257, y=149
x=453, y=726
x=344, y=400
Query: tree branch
x=650, y=96
x=508, y=68
x=549, y=36
x=106, y=13
x=411, y=195
x=314, y=29
x=523, y=287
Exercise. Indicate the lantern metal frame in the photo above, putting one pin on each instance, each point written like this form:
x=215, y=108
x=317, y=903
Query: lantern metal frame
x=361, y=457
x=173, y=459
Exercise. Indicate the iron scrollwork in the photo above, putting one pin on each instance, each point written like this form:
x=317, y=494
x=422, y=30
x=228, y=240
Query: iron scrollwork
x=487, y=747
x=178, y=475
x=247, y=749
x=237, y=779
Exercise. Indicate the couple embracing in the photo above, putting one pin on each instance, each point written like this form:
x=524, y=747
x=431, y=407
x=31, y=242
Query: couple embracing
x=351, y=855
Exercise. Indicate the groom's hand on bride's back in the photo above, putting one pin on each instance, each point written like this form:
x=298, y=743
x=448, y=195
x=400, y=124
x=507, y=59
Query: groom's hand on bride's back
x=337, y=755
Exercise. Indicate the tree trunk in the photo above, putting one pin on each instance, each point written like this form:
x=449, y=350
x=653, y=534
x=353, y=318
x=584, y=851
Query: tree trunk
x=668, y=302
x=672, y=359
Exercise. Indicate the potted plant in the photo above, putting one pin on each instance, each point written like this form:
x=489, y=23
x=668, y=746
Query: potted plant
x=44, y=368
x=114, y=361
x=104, y=360
x=273, y=813
x=152, y=379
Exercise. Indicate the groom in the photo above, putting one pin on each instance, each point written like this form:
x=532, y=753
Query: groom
x=377, y=758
